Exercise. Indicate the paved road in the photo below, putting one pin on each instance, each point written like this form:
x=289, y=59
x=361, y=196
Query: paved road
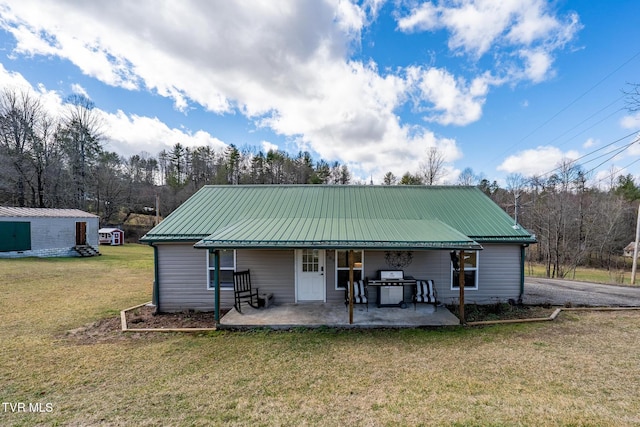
x=561, y=292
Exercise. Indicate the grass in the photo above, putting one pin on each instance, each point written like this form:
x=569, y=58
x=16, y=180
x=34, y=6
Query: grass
x=584, y=274
x=579, y=370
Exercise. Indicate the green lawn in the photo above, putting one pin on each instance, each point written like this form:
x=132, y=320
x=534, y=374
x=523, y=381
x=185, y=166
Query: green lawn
x=583, y=274
x=579, y=370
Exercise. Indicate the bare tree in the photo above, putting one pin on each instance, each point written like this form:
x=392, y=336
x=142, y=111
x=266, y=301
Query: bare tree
x=467, y=177
x=81, y=135
x=632, y=96
x=110, y=187
x=433, y=168
x=20, y=116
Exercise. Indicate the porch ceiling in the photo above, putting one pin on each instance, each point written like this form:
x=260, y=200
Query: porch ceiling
x=339, y=233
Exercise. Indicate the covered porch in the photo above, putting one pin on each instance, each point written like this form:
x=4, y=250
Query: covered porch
x=311, y=300
x=335, y=315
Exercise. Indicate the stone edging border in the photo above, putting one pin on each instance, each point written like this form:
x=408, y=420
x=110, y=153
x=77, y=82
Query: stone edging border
x=125, y=328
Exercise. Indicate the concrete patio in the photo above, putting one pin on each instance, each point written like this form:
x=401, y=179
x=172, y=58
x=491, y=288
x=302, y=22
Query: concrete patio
x=285, y=316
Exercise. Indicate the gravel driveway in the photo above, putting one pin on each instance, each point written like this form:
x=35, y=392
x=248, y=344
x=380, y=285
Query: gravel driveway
x=560, y=292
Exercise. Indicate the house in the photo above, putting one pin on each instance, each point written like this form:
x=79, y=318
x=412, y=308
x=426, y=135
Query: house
x=111, y=236
x=628, y=250
x=294, y=239
x=39, y=232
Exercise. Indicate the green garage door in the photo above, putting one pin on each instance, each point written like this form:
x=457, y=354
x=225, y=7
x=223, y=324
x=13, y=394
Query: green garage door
x=15, y=236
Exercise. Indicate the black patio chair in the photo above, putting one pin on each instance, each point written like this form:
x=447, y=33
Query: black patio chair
x=360, y=293
x=424, y=291
x=242, y=290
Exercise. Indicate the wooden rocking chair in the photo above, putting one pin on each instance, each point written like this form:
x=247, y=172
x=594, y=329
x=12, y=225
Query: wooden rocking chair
x=243, y=291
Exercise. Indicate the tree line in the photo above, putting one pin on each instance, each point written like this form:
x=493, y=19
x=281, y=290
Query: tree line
x=576, y=221
x=61, y=162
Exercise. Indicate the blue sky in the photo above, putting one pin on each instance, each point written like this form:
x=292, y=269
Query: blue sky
x=499, y=86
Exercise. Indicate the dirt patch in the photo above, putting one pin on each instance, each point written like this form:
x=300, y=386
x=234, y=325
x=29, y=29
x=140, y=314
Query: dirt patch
x=102, y=331
x=144, y=317
x=110, y=329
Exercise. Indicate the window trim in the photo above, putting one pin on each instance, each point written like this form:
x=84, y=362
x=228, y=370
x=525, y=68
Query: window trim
x=361, y=269
x=211, y=268
x=456, y=287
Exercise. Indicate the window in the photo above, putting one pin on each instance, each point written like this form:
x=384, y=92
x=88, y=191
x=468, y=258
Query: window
x=342, y=267
x=227, y=267
x=310, y=260
x=470, y=272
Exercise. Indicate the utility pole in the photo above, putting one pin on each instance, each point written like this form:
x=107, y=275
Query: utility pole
x=157, y=209
x=635, y=250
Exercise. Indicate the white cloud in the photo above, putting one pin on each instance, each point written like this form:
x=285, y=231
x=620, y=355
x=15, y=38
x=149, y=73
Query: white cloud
x=269, y=146
x=453, y=101
x=537, y=64
x=50, y=100
x=13, y=80
x=590, y=143
x=127, y=134
x=631, y=121
x=424, y=17
x=285, y=65
x=477, y=27
x=131, y=134
x=536, y=161
x=79, y=90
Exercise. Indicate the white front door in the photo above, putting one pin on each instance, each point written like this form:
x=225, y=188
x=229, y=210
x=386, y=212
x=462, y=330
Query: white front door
x=310, y=275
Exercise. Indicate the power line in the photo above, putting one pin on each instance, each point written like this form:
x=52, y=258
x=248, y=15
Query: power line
x=581, y=96
x=618, y=171
x=617, y=151
x=587, y=119
x=612, y=157
x=566, y=107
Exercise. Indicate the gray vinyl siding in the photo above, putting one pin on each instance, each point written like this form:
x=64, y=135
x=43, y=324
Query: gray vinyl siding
x=498, y=274
x=183, y=275
x=272, y=271
x=182, y=278
x=333, y=295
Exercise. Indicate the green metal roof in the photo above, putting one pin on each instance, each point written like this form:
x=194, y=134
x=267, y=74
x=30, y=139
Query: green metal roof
x=338, y=216
x=337, y=233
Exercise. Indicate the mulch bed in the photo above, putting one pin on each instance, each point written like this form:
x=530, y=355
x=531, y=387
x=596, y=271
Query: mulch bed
x=145, y=318
x=110, y=329
x=501, y=311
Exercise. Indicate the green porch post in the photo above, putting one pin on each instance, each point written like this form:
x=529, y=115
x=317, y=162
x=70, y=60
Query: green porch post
x=156, y=279
x=351, y=261
x=461, y=285
x=522, y=258
x=216, y=283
